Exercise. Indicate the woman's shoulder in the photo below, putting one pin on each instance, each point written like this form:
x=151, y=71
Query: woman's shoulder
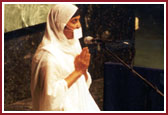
x=49, y=54
x=44, y=55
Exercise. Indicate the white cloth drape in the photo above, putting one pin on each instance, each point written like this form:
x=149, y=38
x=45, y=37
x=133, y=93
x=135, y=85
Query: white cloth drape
x=53, y=62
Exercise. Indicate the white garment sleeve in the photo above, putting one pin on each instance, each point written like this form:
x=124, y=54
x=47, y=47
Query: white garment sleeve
x=55, y=86
x=89, y=80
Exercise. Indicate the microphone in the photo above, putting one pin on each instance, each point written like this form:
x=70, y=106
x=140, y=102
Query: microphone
x=90, y=40
x=116, y=45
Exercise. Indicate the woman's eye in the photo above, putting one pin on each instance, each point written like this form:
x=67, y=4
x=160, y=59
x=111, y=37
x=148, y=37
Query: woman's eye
x=74, y=21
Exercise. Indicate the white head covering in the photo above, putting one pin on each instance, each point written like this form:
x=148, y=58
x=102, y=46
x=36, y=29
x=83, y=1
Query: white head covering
x=54, y=37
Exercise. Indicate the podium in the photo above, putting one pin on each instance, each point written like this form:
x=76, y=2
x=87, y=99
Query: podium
x=123, y=91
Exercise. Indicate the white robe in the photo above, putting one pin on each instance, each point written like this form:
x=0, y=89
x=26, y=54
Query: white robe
x=51, y=64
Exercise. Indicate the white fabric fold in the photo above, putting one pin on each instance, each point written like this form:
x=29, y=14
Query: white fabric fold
x=89, y=80
x=59, y=86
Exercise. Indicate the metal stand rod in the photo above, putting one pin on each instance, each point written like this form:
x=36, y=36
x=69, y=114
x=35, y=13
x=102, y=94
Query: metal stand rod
x=133, y=71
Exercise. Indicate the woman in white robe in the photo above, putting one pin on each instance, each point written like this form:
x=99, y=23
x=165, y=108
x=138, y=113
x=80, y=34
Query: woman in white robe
x=60, y=80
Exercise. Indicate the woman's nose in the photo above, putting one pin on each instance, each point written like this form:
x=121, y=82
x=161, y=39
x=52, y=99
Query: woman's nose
x=78, y=25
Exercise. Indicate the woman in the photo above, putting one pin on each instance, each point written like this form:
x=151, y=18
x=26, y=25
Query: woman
x=60, y=81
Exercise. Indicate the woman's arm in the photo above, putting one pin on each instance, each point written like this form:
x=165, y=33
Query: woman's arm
x=86, y=76
x=72, y=77
x=81, y=65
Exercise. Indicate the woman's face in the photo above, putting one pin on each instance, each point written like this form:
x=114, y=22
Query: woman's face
x=74, y=23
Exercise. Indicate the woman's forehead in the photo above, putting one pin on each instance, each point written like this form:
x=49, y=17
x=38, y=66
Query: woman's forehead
x=76, y=17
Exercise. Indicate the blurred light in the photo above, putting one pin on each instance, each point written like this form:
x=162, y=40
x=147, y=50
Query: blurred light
x=136, y=23
x=126, y=43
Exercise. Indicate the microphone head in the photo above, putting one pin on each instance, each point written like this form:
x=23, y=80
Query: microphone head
x=88, y=40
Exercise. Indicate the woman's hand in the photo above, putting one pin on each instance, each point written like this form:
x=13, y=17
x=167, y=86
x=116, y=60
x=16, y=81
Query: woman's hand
x=82, y=61
x=81, y=65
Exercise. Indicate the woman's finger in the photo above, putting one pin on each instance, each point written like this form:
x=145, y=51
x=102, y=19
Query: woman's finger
x=88, y=59
x=83, y=53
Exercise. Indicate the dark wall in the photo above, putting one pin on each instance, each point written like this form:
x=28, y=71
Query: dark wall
x=18, y=52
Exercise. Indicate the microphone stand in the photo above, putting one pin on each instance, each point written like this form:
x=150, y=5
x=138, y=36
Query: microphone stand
x=132, y=70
